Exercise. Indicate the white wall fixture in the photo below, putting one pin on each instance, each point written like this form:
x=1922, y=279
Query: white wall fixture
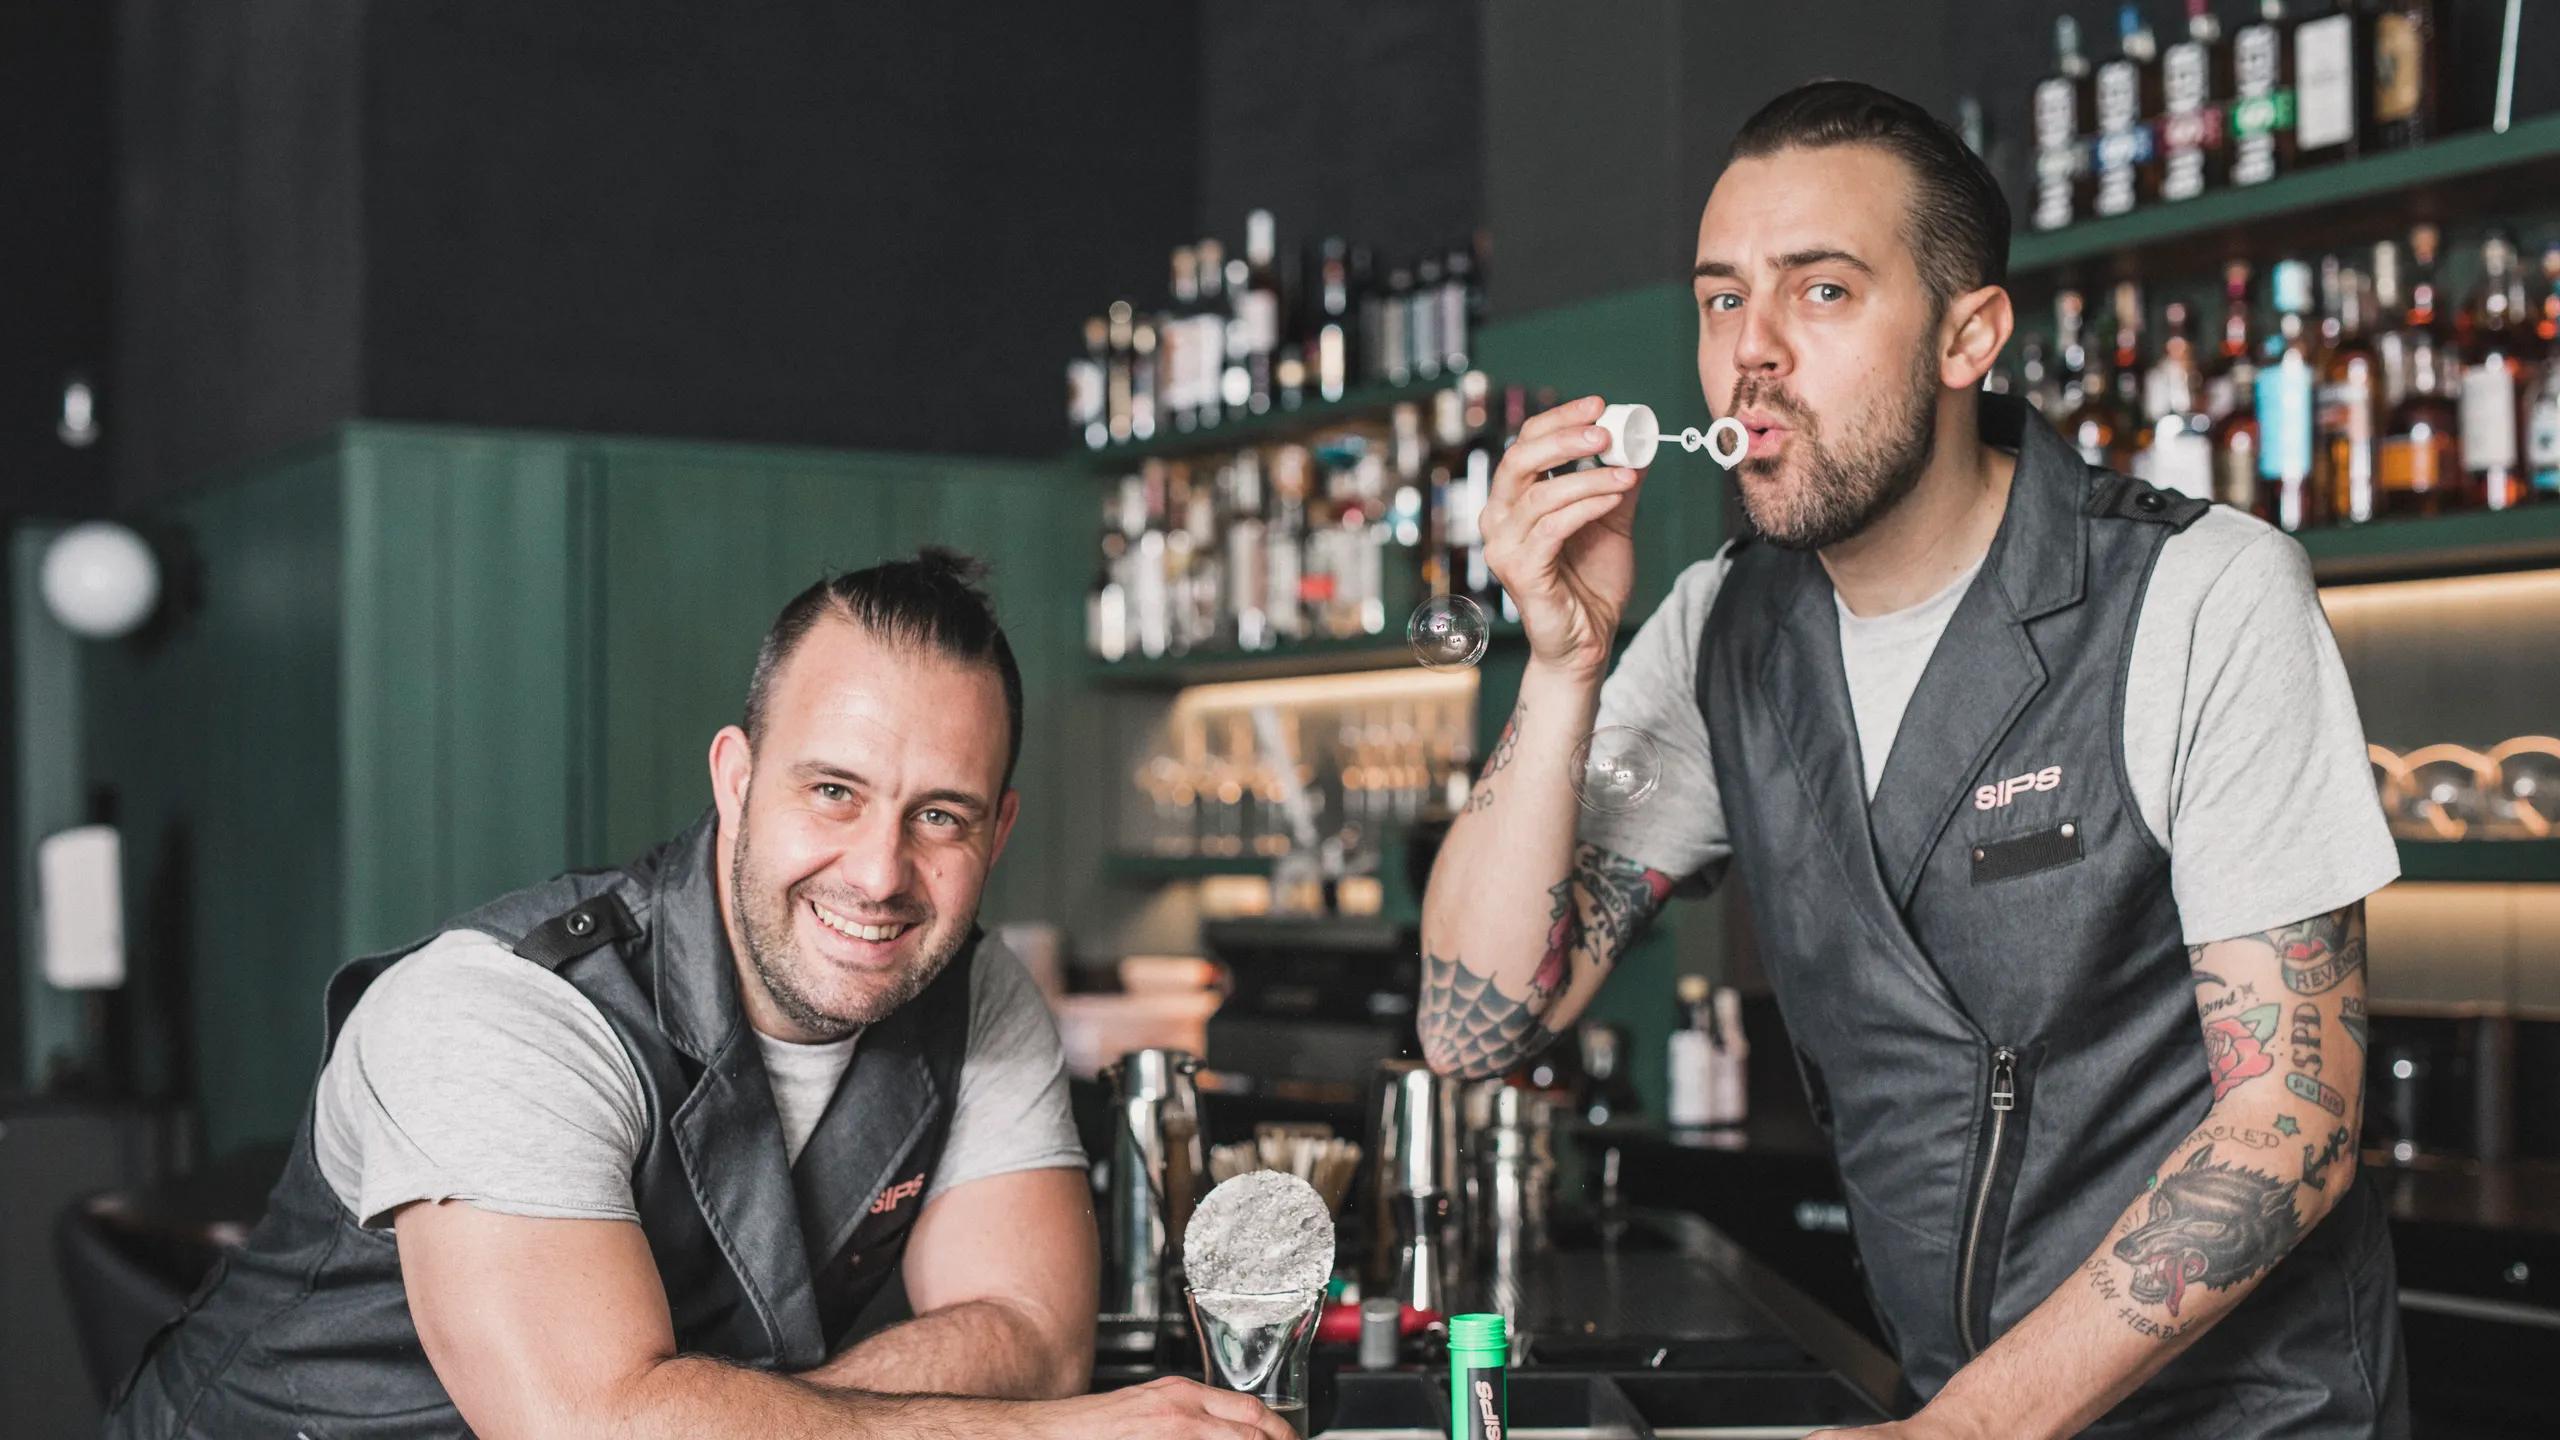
x=80, y=890
x=100, y=580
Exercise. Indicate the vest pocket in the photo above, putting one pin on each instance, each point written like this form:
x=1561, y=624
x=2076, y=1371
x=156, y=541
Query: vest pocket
x=1997, y=860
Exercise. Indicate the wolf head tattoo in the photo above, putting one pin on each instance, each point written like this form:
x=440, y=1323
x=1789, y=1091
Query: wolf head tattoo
x=2211, y=1224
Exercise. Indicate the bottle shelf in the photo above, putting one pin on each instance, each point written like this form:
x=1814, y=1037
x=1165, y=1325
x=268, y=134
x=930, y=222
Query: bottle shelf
x=1286, y=662
x=1276, y=424
x=2507, y=861
x=2481, y=172
x=2481, y=540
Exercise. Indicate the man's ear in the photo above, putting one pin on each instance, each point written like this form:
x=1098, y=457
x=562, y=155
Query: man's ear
x=733, y=762
x=1976, y=328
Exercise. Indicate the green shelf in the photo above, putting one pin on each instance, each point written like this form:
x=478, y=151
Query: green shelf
x=2477, y=173
x=1365, y=403
x=2483, y=540
x=1138, y=865
x=2508, y=861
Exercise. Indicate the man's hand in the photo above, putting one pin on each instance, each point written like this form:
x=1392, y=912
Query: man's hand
x=1564, y=548
x=1168, y=1409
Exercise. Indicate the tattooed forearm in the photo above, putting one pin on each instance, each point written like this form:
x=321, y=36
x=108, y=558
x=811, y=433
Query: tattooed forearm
x=1470, y=1029
x=1619, y=898
x=2211, y=1223
x=1481, y=797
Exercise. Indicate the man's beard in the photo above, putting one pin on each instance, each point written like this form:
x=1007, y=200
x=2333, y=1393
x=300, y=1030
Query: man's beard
x=765, y=916
x=1841, y=495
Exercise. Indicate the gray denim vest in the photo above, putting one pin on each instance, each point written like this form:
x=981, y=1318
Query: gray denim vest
x=1988, y=988
x=306, y=1330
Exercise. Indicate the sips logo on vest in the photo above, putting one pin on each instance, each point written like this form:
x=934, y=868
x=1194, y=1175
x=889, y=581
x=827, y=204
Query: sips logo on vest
x=1996, y=797
x=897, y=1194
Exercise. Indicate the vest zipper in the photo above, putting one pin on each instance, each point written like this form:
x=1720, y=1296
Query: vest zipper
x=2004, y=1098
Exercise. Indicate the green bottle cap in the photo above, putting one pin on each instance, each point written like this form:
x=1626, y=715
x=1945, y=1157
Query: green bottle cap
x=1478, y=1332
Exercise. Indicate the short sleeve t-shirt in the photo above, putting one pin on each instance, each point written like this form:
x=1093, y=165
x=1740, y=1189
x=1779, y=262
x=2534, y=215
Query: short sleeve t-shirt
x=469, y=1073
x=2241, y=739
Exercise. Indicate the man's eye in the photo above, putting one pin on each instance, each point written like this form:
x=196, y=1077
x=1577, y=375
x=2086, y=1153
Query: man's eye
x=938, y=817
x=833, y=793
x=1829, y=294
x=1723, y=302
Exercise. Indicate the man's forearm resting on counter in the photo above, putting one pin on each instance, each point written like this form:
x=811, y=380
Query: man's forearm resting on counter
x=1521, y=924
x=2284, y=1022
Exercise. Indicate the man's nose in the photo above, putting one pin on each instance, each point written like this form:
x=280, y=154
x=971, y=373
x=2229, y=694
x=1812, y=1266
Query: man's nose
x=873, y=860
x=1760, y=347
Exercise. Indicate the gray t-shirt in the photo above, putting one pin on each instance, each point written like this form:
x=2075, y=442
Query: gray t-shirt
x=468, y=1073
x=2241, y=739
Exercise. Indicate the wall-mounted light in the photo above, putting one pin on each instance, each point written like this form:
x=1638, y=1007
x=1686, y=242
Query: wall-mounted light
x=100, y=580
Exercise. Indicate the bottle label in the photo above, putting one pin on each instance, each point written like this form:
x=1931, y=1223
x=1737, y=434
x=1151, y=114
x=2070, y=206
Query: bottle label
x=2259, y=109
x=2488, y=418
x=1084, y=392
x=1257, y=323
x=2284, y=419
x=2542, y=438
x=2188, y=126
x=2053, y=117
x=2235, y=477
x=1487, y=1403
x=2123, y=140
x=2399, y=67
x=2324, y=67
x=2416, y=464
x=2182, y=460
x=2059, y=157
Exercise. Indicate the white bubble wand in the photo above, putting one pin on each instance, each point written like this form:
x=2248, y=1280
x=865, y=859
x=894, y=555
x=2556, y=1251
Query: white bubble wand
x=1634, y=434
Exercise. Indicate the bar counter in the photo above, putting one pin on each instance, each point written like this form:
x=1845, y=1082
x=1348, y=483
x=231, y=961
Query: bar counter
x=1656, y=1325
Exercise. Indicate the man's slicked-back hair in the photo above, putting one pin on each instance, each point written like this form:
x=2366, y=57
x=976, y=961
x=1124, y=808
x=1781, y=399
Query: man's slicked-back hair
x=935, y=602
x=1958, y=228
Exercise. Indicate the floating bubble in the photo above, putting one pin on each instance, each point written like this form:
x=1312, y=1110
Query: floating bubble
x=1615, y=768
x=1725, y=441
x=1448, y=632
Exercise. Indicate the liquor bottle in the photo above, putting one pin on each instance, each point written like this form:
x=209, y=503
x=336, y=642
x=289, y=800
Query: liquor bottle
x=2195, y=80
x=1257, y=304
x=1248, y=553
x=1088, y=386
x=2498, y=369
x=1692, y=1062
x=2285, y=385
x=1395, y=332
x=2263, y=106
x=2421, y=462
x=2350, y=402
x=2128, y=96
x=2065, y=114
x=1422, y=323
x=2232, y=396
x=2330, y=83
x=1177, y=390
x=2177, y=443
x=2096, y=426
x=2390, y=303
x=2407, y=56
x=1210, y=325
x=1459, y=304
x=1332, y=360
x=1119, y=378
x=1143, y=377
x=2542, y=423
x=2127, y=374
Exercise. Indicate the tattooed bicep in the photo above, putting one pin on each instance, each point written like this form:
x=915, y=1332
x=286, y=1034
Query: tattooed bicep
x=2278, y=1003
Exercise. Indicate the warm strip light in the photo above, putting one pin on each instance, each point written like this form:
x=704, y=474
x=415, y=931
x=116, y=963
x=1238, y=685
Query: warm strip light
x=1357, y=687
x=2523, y=586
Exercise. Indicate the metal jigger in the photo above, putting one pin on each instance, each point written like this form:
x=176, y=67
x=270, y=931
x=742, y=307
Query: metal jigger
x=1258, y=1344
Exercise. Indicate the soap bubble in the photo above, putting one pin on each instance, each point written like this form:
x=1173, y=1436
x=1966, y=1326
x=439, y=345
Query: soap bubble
x=1615, y=768
x=1725, y=441
x=1448, y=632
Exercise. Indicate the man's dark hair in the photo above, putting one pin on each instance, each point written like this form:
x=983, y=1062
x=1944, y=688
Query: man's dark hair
x=933, y=602
x=1958, y=228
